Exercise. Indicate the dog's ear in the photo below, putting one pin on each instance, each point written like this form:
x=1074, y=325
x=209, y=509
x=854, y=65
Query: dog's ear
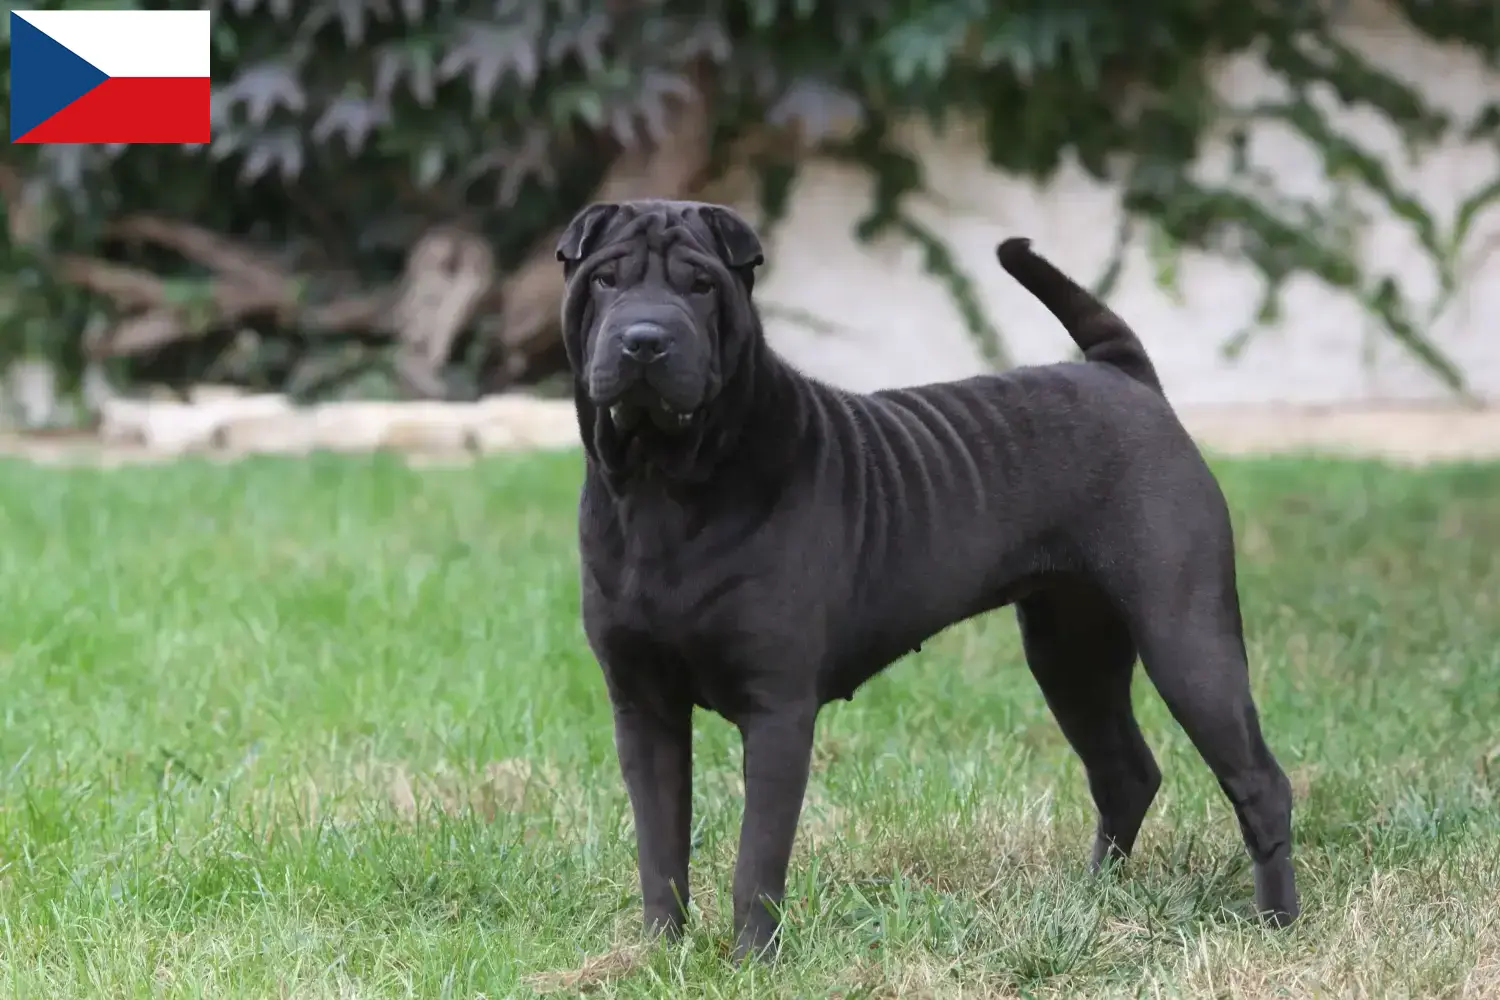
x=584, y=231
x=738, y=244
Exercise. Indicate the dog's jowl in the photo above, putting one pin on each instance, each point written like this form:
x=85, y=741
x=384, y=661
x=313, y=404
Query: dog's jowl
x=758, y=543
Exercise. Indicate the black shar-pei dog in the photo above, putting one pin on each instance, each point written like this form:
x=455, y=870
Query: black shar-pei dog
x=757, y=543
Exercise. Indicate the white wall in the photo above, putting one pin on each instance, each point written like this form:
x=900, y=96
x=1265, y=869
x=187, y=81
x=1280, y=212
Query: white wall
x=891, y=324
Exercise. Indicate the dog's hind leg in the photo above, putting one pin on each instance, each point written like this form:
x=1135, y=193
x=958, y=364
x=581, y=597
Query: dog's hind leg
x=1080, y=651
x=1194, y=652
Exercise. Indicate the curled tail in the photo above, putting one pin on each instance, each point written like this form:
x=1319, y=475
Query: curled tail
x=1103, y=337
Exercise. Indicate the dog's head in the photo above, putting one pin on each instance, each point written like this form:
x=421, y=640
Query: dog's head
x=657, y=319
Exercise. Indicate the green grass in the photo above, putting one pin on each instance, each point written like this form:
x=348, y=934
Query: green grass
x=329, y=729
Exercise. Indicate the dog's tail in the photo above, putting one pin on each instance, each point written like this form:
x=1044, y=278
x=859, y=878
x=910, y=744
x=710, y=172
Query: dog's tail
x=1103, y=336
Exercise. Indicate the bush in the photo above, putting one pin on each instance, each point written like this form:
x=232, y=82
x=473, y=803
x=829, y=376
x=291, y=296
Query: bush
x=376, y=212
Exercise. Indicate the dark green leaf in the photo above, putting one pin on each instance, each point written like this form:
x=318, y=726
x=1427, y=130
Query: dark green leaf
x=260, y=90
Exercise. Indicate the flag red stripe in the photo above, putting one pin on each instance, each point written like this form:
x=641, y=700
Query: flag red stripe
x=133, y=109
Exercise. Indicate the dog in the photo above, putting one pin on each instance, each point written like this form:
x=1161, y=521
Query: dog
x=757, y=543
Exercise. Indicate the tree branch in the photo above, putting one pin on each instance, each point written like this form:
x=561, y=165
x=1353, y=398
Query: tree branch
x=212, y=251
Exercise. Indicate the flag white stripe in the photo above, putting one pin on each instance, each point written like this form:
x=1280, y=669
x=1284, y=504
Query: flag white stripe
x=131, y=42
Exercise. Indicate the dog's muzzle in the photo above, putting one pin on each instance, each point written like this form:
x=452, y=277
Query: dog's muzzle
x=644, y=346
x=649, y=369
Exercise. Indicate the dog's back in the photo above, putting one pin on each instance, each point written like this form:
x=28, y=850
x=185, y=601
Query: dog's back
x=1064, y=434
x=1000, y=479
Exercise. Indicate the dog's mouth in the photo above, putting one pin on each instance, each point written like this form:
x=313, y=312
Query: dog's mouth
x=627, y=415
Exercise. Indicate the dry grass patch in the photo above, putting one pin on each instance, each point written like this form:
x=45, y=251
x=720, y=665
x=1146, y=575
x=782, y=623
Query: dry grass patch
x=594, y=972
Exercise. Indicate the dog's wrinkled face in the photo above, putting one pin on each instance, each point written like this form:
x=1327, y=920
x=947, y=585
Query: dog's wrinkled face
x=657, y=293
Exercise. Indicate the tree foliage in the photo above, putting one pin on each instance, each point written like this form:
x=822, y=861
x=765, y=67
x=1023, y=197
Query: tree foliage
x=370, y=156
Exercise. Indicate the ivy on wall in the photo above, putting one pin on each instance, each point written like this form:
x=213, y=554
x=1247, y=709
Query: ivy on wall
x=351, y=134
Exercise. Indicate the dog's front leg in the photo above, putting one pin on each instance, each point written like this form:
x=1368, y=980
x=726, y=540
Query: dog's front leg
x=778, y=750
x=655, y=747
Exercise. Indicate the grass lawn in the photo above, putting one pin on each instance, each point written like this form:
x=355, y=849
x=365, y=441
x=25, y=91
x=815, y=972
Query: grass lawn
x=329, y=729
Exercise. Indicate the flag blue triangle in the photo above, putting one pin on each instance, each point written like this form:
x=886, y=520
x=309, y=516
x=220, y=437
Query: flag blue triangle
x=45, y=77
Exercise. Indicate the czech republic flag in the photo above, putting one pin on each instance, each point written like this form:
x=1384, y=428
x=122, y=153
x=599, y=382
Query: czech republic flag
x=109, y=76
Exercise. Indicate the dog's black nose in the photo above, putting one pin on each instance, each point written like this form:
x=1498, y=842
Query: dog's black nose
x=644, y=342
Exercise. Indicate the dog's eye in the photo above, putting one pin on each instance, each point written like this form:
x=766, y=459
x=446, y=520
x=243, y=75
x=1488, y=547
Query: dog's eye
x=701, y=285
x=604, y=279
